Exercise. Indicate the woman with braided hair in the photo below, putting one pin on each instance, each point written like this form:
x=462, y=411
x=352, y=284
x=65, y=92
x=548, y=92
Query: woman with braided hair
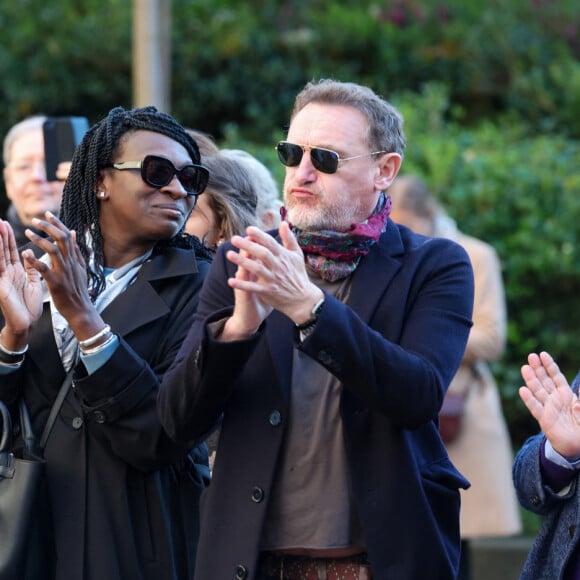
x=108, y=296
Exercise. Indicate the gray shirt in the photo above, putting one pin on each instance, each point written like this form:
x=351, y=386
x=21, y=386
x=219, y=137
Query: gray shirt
x=310, y=506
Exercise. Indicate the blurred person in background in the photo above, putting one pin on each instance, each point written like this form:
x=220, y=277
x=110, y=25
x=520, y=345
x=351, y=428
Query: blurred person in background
x=482, y=449
x=264, y=184
x=228, y=205
x=27, y=188
x=205, y=142
x=269, y=202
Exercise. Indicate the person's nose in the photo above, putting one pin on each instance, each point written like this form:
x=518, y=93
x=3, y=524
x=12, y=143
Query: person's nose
x=38, y=171
x=305, y=171
x=175, y=188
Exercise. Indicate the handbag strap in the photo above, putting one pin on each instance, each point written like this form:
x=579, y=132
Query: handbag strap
x=56, y=406
x=6, y=434
x=26, y=430
x=6, y=462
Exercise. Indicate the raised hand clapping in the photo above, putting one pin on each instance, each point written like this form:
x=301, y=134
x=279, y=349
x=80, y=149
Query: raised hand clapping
x=551, y=401
x=20, y=291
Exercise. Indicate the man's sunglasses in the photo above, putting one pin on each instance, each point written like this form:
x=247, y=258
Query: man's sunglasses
x=158, y=172
x=325, y=160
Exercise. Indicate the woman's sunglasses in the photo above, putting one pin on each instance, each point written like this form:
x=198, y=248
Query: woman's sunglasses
x=325, y=160
x=158, y=172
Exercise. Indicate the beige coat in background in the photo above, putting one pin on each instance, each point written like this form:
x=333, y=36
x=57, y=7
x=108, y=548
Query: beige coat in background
x=482, y=451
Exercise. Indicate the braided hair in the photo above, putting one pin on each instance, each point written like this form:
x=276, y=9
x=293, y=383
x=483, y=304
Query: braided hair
x=79, y=208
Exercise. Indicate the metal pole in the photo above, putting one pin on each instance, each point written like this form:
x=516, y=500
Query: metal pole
x=152, y=53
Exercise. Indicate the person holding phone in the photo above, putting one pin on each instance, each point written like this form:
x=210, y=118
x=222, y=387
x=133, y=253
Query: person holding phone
x=27, y=188
x=110, y=300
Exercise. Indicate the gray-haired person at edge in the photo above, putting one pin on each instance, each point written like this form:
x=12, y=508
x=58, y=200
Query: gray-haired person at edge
x=546, y=470
x=27, y=188
x=327, y=348
x=111, y=297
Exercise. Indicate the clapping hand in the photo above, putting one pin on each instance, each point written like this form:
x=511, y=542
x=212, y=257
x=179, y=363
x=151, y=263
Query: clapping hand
x=20, y=290
x=551, y=401
x=65, y=273
x=271, y=275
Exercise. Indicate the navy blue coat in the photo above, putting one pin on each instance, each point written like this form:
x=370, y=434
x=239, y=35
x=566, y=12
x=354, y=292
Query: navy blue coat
x=394, y=346
x=124, y=495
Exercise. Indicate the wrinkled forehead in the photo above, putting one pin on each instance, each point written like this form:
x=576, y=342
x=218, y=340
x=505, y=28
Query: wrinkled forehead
x=28, y=145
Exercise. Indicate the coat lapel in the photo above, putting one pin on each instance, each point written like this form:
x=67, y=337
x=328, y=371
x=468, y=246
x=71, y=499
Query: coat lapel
x=375, y=272
x=370, y=281
x=43, y=347
x=140, y=303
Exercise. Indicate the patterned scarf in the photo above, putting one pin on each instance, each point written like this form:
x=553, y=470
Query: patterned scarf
x=335, y=255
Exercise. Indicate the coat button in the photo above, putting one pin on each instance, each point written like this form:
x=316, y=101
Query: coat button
x=241, y=572
x=257, y=494
x=275, y=418
x=77, y=422
x=99, y=416
x=325, y=358
x=535, y=500
x=571, y=531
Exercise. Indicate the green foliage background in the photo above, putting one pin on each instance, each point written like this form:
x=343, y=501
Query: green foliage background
x=490, y=91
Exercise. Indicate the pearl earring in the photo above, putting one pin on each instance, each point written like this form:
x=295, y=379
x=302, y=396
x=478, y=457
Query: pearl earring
x=102, y=194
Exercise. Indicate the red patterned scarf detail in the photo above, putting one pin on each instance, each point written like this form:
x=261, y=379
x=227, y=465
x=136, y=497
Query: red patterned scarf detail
x=335, y=255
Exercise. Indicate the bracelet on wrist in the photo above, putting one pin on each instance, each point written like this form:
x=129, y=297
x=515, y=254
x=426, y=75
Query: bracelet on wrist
x=11, y=360
x=93, y=340
x=99, y=347
x=11, y=352
x=16, y=364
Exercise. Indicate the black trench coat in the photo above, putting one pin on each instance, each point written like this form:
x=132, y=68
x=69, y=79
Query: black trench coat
x=124, y=495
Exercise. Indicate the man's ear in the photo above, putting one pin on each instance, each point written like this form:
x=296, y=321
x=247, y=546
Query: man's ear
x=389, y=165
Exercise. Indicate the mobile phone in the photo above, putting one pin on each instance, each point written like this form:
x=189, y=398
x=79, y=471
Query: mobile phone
x=61, y=136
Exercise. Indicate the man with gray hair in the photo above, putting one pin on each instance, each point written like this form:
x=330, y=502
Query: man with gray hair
x=325, y=350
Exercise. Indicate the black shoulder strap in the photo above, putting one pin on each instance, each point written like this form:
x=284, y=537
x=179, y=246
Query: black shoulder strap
x=56, y=406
